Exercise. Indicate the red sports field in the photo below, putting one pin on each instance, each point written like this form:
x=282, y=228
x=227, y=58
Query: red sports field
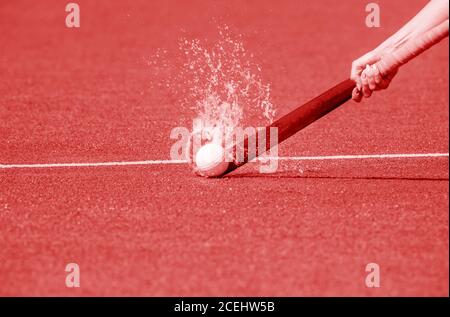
x=84, y=95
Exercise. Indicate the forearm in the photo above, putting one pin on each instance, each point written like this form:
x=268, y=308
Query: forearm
x=435, y=12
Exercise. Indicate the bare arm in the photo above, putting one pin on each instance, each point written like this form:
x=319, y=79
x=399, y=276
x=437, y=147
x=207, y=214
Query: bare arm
x=435, y=12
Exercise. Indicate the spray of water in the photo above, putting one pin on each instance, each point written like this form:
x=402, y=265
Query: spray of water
x=225, y=85
x=220, y=82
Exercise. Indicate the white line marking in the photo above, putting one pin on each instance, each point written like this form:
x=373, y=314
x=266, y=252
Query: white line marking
x=363, y=156
x=51, y=165
x=282, y=158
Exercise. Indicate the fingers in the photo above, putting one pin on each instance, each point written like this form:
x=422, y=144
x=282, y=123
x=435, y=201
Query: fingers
x=371, y=80
x=366, y=91
x=359, y=64
x=370, y=73
x=356, y=94
x=356, y=73
x=376, y=75
x=367, y=76
x=363, y=83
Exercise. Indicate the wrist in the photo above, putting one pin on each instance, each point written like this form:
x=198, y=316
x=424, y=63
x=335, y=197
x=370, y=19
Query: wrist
x=384, y=48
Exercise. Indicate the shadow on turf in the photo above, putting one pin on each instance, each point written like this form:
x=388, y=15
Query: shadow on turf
x=290, y=176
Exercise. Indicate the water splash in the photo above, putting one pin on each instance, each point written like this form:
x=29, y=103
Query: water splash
x=219, y=82
x=225, y=85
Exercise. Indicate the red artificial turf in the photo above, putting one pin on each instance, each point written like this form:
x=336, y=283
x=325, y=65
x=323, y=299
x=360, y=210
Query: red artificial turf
x=86, y=95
